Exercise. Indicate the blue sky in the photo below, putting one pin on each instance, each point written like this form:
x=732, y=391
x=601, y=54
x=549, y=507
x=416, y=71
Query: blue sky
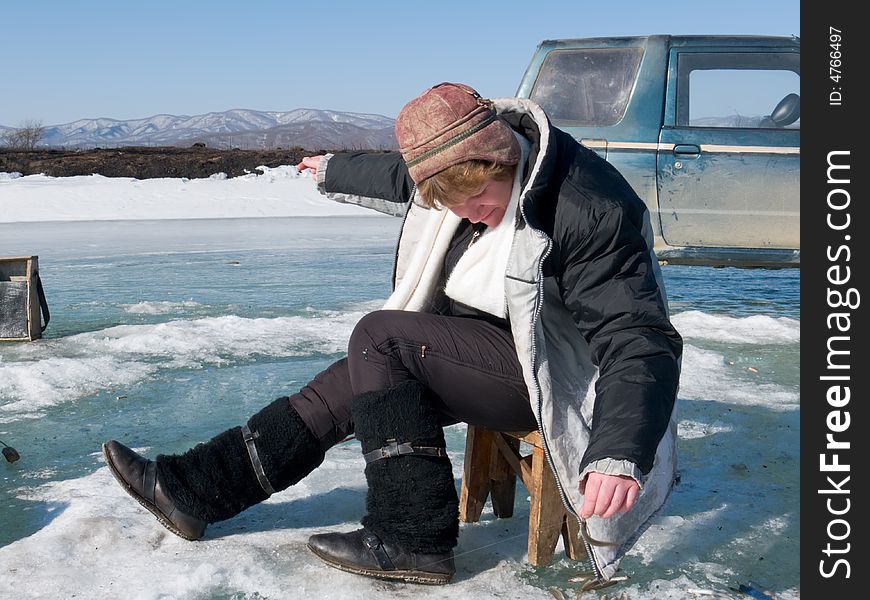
x=92, y=58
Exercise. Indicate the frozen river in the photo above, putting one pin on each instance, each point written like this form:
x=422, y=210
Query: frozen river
x=164, y=333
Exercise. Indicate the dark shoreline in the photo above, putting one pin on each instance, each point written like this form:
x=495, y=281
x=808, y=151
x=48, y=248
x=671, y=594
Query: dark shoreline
x=147, y=162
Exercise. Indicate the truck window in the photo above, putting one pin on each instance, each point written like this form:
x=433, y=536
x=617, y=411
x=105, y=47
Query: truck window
x=739, y=90
x=588, y=87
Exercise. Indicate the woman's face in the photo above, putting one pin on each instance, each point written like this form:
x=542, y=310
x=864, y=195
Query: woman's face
x=488, y=205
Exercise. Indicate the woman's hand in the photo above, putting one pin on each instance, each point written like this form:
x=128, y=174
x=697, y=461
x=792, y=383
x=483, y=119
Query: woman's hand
x=310, y=162
x=607, y=495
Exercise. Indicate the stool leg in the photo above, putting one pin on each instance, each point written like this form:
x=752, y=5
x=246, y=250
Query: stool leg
x=476, y=483
x=504, y=480
x=574, y=547
x=547, y=512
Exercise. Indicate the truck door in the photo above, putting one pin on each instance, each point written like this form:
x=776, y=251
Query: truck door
x=728, y=158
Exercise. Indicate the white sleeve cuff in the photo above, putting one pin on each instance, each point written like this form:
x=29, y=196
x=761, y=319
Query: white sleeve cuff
x=612, y=466
x=320, y=177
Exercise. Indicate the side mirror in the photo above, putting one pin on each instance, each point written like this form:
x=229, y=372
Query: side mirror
x=787, y=111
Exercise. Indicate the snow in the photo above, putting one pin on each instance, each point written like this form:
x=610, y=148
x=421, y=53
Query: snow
x=74, y=366
x=273, y=192
x=707, y=375
x=101, y=544
x=757, y=329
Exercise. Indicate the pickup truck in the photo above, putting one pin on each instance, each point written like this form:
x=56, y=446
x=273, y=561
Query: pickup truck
x=706, y=129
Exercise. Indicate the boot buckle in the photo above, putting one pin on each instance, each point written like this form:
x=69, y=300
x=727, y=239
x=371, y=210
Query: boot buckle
x=376, y=547
x=393, y=449
x=249, y=437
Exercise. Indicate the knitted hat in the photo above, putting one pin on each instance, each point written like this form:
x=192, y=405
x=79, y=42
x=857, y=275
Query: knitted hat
x=448, y=124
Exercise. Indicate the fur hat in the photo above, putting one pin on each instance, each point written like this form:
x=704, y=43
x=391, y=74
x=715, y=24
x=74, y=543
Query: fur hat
x=448, y=124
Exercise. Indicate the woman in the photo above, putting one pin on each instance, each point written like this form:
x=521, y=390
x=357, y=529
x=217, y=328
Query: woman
x=526, y=296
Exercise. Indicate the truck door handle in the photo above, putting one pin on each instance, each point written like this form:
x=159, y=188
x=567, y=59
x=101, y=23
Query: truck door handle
x=687, y=150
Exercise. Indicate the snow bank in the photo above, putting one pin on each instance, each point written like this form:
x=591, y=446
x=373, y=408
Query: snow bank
x=274, y=192
x=757, y=329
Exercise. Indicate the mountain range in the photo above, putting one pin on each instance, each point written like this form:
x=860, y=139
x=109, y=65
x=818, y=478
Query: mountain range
x=238, y=128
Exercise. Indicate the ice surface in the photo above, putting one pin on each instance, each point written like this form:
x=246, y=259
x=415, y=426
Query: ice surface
x=159, y=307
x=734, y=516
x=707, y=375
x=757, y=329
x=58, y=370
x=99, y=543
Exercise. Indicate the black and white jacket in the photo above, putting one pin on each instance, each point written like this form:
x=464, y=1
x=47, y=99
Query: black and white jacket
x=587, y=310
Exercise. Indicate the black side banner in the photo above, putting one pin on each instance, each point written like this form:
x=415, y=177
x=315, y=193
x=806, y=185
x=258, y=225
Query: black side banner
x=834, y=227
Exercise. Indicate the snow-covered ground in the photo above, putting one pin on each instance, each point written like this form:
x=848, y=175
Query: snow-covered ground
x=277, y=192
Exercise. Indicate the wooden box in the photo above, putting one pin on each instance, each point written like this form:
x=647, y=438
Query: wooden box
x=20, y=299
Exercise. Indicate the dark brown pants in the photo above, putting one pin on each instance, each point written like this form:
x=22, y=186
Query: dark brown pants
x=470, y=366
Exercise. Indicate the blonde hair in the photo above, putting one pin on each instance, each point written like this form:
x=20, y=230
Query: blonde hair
x=452, y=186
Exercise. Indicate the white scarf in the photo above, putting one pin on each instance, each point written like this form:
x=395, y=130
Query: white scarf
x=477, y=279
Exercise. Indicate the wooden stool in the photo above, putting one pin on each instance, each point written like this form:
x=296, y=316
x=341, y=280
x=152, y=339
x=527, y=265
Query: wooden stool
x=492, y=463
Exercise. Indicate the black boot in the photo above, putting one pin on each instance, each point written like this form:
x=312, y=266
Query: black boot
x=364, y=553
x=219, y=479
x=138, y=476
x=412, y=523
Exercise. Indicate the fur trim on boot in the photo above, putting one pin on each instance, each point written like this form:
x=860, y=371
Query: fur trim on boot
x=411, y=499
x=216, y=480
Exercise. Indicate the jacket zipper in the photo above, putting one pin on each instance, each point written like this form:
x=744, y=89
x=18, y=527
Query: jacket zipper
x=562, y=495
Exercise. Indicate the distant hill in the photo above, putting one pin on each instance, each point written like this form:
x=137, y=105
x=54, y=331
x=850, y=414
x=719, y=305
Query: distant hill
x=239, y=128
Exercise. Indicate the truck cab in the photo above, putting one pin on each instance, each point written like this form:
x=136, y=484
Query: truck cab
x=706, y=129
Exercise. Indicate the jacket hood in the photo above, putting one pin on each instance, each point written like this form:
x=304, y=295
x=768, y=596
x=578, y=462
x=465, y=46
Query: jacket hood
x=546, y=167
